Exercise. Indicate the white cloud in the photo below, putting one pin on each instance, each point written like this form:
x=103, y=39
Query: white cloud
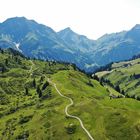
x=90, y=17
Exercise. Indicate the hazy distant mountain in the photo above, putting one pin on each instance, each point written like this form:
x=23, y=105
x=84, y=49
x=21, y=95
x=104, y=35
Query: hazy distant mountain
x=117, y=46
x=76, y=41
x=108, y=48
x=39, y=41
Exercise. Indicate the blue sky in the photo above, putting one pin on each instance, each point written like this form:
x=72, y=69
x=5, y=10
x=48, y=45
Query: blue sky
x=92, y=18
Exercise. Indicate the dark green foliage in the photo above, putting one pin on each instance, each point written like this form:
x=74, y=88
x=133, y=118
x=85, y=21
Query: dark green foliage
x=120, y=96
x=47, y=125
x=12, y=110
x=18, y=60
x=3, y=69
x=138, y=98
x=90, y=83
x=39, y=92
x=1, y=51
x=47, y=93
x=15, y=52
x=122, y=92
x=41, y=79
x=102, y=81
x=136, y=76
x=26, y=91
x=23, y=136
x=6, y=62
x=117, y=88
x=95, y=77
x=34, y=83
x=45, y=85
x=3, y=99
x=25, y=119
x=71, y=128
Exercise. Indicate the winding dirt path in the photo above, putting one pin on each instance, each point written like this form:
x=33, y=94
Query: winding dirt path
x=67, y=107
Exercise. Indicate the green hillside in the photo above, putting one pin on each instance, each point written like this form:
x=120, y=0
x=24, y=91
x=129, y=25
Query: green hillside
x=126, y=75
x=32, y=109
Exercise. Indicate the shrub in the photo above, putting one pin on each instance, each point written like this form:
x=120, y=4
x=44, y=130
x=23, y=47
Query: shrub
x=25, y=119
x=39, y=92
x=23, y=136
x=90, y=83
x=45, y=85
x=47, y=93
x=71, y=128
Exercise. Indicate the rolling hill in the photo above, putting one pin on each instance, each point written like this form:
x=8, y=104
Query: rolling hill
x=126, y=75
x=31, y=108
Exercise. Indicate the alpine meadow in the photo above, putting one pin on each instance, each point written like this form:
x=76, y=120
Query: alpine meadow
x=57, y=82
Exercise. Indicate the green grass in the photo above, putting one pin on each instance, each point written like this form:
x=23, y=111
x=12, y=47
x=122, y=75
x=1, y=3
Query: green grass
x=30, y=117
x=123, y=74
x=104, y=118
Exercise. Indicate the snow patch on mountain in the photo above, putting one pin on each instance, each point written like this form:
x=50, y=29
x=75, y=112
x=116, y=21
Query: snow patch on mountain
x=17, y=45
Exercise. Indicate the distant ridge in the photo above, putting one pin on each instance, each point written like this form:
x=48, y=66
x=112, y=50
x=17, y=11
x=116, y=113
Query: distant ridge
x=42, y=42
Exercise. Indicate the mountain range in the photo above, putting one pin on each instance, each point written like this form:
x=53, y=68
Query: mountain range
x=39, y=41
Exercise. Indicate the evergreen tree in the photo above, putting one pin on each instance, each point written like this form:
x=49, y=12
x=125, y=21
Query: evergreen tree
x=39, y=92
x=2, y=51
x=123, y=92
x=26, y=91
x=41, y=79
x=3, y=69
x=34, y=83
x=6, y=62
x=117, y=88
x=134, y=75
x=90, y=83
x=45, y=85
x=96, y=77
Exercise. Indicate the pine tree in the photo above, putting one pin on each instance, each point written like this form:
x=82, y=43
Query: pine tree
x=3, y=69
x=117, y=88
x=45, y=85
x=90, y=83
x=96, y=77
x=41, y=79
x=39, y=92
x=123, y=92
x=6, y=62
x=26, y=91
x=2, y=51
x=34, y=83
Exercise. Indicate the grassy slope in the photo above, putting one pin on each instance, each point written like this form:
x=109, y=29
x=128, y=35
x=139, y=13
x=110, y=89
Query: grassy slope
x=22, y=114
x=122, y=75
x=47, y=118
x=104, y=118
